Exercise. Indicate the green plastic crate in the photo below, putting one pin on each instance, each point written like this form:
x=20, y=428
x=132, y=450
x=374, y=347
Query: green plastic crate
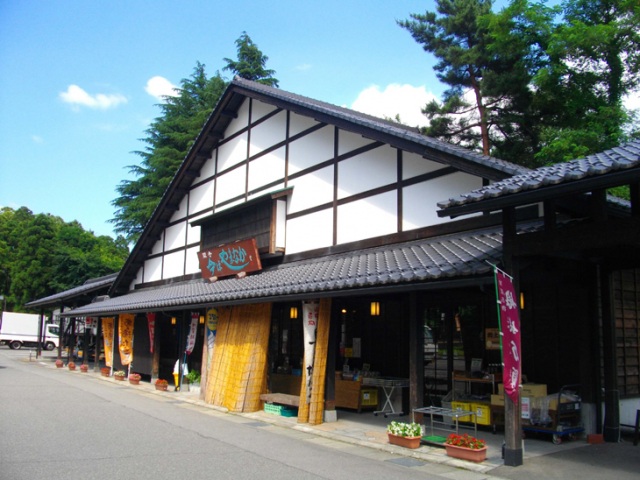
x=281, y=410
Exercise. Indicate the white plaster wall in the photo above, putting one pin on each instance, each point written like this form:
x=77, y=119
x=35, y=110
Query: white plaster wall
x=231, y=184
x=209, y=168
x=268, y=133
x=136, y=280
x=311, y=149
x=175, y=236
x=152, y=269
x=310, y=190
x=201, y=197
x=267, y=168
x=182, y=209
x=348, y=141
x=260, y=109
x=419, y=201
x=192, y=265
x=309, y=232
x=367, y=171
x=241, y=121
x=281, y=223
x=299, y=124
x=193, y=234
x=232, y=152
x=173, y=265
x=367, y=218
x=157, y=247
x=414, y=165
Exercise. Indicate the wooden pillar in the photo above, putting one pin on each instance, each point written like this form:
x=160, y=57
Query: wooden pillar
x=416, y=356
x=99, y=343
x=611, y=430
x=513, y=451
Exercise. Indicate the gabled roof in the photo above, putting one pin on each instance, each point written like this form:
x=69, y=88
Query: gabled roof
x=76, y=293
x=618, y=166
x=465, y=258
x=372, y=127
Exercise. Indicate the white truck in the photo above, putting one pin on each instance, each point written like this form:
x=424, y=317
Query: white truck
x=21, y=329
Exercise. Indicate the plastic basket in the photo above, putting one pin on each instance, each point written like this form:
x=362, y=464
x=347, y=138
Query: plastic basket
x=281, y=410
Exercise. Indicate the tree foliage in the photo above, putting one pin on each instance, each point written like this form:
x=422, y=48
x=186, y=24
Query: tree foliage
x=42, y=254
x=544, y=84
x=171, y=135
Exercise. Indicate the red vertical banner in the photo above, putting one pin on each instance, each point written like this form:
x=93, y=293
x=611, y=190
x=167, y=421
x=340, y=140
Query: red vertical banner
x=509, y=316
x=151, y=320
x=193, y=330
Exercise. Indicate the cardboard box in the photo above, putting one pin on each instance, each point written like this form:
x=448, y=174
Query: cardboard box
x=497, y=400
x=534, y=390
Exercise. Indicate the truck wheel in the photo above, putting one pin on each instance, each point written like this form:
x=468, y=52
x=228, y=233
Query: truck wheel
x=15, y=345
x=49, y=346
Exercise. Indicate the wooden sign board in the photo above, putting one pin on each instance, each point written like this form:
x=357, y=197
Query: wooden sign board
x=238, y=258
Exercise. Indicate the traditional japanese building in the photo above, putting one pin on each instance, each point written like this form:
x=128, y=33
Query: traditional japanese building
x=293, y=217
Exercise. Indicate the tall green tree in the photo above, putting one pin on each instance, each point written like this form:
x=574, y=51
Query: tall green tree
x=168, y=140
x=171, y=135
x=42, y=254
x=251, y=63
x=550, y=80
x=456, y=38
x=595, y=63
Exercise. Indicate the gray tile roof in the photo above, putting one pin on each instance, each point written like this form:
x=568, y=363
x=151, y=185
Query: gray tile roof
x=394, y=129
x=90, y=286
x=446, y=257
x=620, y=159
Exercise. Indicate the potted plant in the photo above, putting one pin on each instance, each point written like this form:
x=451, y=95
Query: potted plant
x=162, y=384
x=404, y=434
x=134, y=378
x=59, y=363
x=466, y=447
x=105, y=371
x=84, y=368
x=119, y=375
x=71, y=365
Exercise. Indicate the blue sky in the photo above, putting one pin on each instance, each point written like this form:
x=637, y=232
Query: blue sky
x=80, y=79
x=73, y=104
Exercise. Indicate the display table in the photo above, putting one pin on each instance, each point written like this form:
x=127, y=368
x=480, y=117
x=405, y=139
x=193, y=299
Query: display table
x=446, y=412
x=389, y=386
x=353, y=394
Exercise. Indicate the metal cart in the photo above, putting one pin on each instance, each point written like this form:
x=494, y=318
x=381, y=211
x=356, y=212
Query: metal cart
x=562, y=421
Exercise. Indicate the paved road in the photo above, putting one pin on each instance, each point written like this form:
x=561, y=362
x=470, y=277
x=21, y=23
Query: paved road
x=57, y=424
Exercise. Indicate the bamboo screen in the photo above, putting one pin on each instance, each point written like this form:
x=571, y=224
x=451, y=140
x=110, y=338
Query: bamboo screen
x=313, y=413
x=239, y=364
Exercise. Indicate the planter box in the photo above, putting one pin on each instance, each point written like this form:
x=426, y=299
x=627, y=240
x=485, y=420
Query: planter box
x=406, y=442
x=469, y=454
x=162, y=388
x=119, y=377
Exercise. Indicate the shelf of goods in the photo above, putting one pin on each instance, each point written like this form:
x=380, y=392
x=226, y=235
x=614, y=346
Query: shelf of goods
x=354, y=395
x=479, y=401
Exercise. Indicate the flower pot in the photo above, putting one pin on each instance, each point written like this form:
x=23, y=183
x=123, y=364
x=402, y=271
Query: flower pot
x=84, y=368
x=71, y=367
x=134, y=381
x=162, y=388
x=119, y=377
x=59, y=364
x=105, y=372
x=406, y=442
x=463, y=453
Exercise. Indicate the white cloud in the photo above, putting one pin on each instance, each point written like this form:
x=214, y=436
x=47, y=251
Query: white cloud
x=37, y=139
x=77, y=97
x=303, y=67
x=159, y=87
x=404, y=100
x=632, y=101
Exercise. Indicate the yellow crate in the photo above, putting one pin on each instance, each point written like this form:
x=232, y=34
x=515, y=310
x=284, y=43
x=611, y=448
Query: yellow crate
x=463, y=406
x=369, y=397
x=483, y=413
